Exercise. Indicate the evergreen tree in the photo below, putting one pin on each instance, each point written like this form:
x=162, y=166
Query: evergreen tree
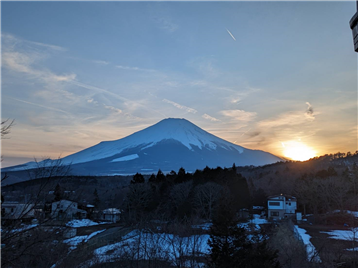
x=58, y=193
x=231, y=246
x=137, y=178
x=160, y=176
x=96, y=200
x=152, y=178
x=181, y=176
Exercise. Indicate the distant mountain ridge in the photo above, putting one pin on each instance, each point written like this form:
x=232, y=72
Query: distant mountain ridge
x=167, y=145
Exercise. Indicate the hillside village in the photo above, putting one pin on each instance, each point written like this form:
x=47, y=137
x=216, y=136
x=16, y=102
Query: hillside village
x=302, y=214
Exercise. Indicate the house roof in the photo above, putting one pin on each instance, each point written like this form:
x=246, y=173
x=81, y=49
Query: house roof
x=288, y=197
x=64, y=200
x=111, y=211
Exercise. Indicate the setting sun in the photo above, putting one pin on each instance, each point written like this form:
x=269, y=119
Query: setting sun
x=298, y=151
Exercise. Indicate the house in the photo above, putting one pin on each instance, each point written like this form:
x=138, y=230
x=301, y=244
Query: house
x=15, y=210
x=67, y=210
x=111, y=214
x=281, y=206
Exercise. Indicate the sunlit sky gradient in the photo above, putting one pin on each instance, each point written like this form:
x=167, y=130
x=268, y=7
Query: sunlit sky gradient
x=264, y=75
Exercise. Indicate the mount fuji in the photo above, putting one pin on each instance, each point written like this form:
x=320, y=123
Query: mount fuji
x=167, y=145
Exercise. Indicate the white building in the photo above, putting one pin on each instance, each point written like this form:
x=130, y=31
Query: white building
x=14, y=210
x=281, y=206
x=65, y=209
x=111, y=214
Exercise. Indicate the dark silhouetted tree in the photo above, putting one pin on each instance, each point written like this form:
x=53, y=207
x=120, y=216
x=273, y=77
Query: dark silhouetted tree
x=58, y=193
x=137, y=178
x=96, y=200
x=160, y=176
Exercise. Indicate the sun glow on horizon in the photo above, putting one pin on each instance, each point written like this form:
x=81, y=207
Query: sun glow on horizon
x=298, y=151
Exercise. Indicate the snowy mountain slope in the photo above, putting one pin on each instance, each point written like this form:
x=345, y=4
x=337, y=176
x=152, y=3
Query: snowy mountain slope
x=180, y=130
x=167, y=145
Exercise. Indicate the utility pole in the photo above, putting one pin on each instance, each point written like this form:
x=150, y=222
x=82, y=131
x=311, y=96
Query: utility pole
x=353, y=23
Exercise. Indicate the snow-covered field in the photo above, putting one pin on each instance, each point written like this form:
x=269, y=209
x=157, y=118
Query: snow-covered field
x=24, y=228
x=255, y=221
x=161, y=246
x=83, y=223
x=75, y=241
x=148, y=245
x=312, y=254
x=354, y=213
x=343, y=234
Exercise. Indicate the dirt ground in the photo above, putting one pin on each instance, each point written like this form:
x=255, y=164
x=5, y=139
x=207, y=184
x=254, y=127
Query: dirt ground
x=330, y=250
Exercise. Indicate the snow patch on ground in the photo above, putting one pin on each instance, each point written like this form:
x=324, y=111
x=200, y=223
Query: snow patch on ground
x=343, y=234
x=126, y=158
x=82, y=223
x=152, y=245
x=203, y=226
x=24, y=228
x=354, y=213
x=312, y=254
x=255, y=221
x=352, y=249
x=75, y=241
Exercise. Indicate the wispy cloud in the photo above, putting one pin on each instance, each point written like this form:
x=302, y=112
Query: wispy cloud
x=239, y=115
x=166, y=24
x=101, y=62
x=208, y=117
x=231, y=34
x=182, y=107
x=22, y=56
x=130, y=104
x=53, y=47
x=309, y=111
x=134, y=68
x=39, y=105
x=113, y=109
x=9, y=38
x=92, y=101
x=291, y=118
x=205, y=66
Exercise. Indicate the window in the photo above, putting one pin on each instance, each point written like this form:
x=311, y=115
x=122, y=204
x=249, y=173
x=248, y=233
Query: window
x=274, y=214
x=274, y=204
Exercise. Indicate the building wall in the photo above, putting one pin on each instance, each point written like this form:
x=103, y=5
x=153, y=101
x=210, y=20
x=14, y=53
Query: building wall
x=16, y=211
x=291, y=206
x=63, y=205
x=276, y=214
x=278, y=206
x=275, y=204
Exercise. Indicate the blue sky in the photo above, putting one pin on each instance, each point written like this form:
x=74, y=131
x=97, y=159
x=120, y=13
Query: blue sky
x=264, y=75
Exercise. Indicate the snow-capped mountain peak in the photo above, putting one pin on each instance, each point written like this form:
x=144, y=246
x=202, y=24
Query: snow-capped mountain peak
x=167, y=145
x=180, y=130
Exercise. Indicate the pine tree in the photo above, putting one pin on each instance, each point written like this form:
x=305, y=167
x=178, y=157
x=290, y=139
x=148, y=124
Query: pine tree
x=137, y=178
x=96, y=200
x=152, y=178
x=232, y=247
x=58, y=193
x=160, y=176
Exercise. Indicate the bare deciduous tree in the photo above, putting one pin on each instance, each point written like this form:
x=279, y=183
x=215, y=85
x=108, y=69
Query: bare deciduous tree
x=205, y=199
